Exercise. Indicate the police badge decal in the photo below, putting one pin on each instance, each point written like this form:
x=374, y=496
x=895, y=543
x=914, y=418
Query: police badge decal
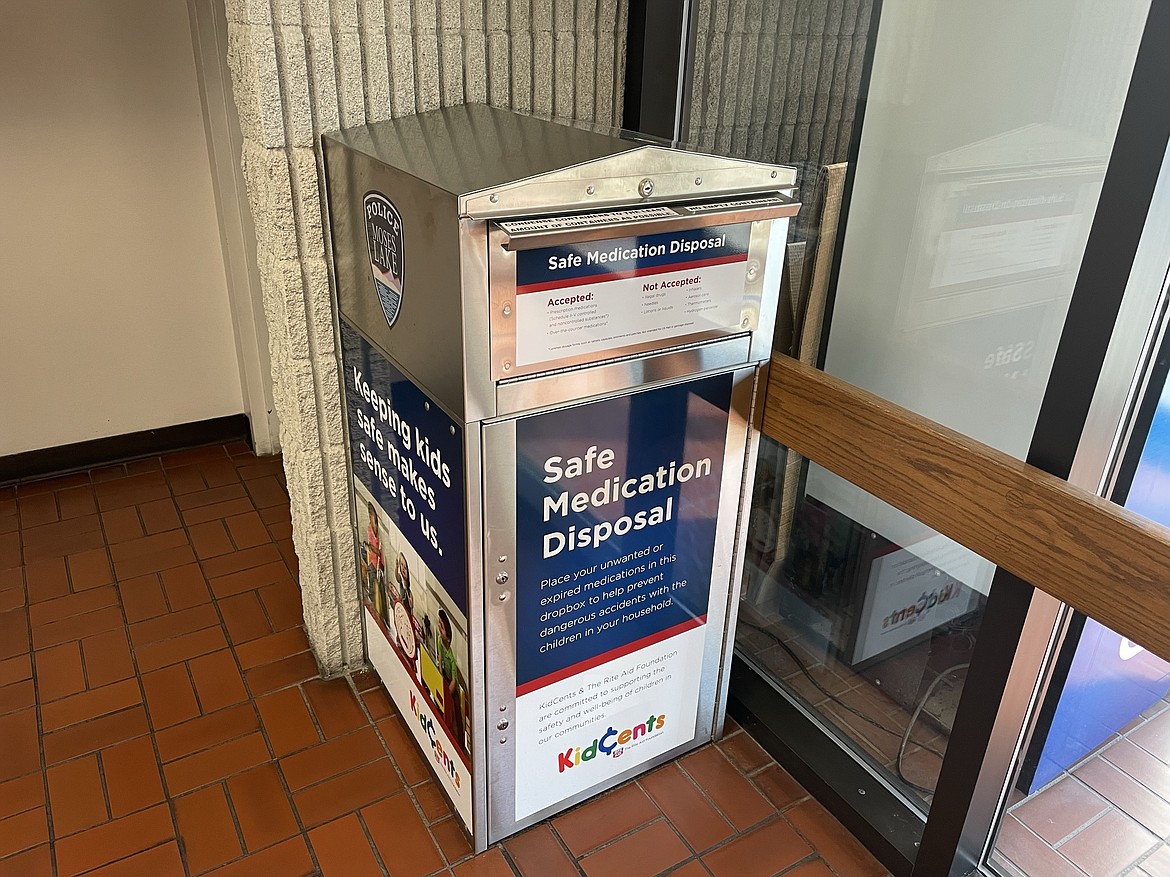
x=384, y=239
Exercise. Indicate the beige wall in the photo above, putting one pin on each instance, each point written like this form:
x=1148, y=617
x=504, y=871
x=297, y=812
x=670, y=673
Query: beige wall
x=114, y=313
x=301, y=67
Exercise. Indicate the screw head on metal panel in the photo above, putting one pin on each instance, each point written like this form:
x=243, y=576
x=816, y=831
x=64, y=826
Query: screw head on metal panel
x=745, y=322
x=753, y=269
x=589, y=190
x=646, y=187
x=507, y=365
x=494, y=198
x=427, y=406
x=503, y=596
x=774, y=174
x=698, y=181
x=452, y=430
x=503, y=708
x=502, y=725
x=503, y=739
x=507, y=310
x=501, y=578
x=503, y=558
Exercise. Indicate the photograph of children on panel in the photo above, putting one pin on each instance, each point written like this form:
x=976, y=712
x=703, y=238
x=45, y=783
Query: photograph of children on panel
x=416, y=615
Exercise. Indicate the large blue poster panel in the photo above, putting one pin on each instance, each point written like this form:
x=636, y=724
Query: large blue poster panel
x=616, y=510
x=411, y=547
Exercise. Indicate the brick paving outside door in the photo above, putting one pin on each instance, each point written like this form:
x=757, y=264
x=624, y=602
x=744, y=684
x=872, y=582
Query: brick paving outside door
x=161, y=714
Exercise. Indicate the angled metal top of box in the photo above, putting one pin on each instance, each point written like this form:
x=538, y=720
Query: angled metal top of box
x=502, y=163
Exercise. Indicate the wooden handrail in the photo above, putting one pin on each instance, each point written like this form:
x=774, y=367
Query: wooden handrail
x=1109, y=563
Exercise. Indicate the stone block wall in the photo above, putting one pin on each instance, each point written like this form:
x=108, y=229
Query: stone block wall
x=778, y=80
x=303, y=67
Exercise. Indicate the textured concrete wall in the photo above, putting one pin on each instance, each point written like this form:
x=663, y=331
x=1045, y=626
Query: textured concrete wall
x=778, y=80
x=301, y=67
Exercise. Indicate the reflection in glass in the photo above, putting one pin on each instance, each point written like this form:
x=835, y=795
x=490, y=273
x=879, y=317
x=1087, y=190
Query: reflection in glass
x=873, y=634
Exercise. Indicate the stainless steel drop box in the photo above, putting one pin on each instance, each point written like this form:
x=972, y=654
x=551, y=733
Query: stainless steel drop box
x=550, y=339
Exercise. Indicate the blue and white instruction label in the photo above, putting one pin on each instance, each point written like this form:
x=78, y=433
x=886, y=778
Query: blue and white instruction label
x=586, y=297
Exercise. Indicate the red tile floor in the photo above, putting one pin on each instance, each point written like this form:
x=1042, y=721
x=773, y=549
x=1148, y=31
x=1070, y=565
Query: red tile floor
x=1108, y=815
x=161, y=714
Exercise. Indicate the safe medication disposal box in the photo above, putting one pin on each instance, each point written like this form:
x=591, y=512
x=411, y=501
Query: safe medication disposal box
x=550, y=341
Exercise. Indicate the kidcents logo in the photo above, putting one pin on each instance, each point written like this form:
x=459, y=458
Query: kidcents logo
x=442, y=758
x=611, y=743
x=911, y=613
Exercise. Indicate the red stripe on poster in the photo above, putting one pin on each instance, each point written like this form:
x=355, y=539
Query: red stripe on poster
x=625, y=275
x=611, y=655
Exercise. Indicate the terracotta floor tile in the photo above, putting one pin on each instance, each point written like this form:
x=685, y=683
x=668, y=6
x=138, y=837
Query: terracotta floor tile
x=160, y=516
x=114, y=840
x=342, y=849
x=1108, y=846
x=15, y=669
x=107, y=657
x=77, y=627
x=185, y=587
x=692, y=815
x=210, y=496
x=160, y=861
x=815, y=868
x=834, y=844
x=267, y=491
x=37, y=509
x=89, y=569
x=70, y=605
x=1018, y=844
x=272, y=648
x=204, y=733
x=649, y=850
x=287, y=722
x=18, y=730
x=20, y=794
x=13, y=597
x=132, y=776
x=282, y=602
x=186, y=479
x=537, y=853
x=404, y=749
x=122, y=525
x=400, y=837
x=217, y=680
x=281, y=674
x=1158, y=863
x=155, y=562
x=378, y=704
x=216, y=510
x=85, y=540
x=288, y=859
x=762, y=852
x=194, y=456
x=335, y=706
x=250, y=579
x=215, y=764
x=14, y=637
x=76, y=795
x=95, y=735
x=170, y=697
x=247, y=530
x=210, y=539
x=10, y=551
x=173, y=624
x=142, y=597
x=262, y=806
x=76, y=501
x=147, y=545
x=489, y=864
x=90, y=704
x=455, y=846
x=330, y=759
x=1154, y=737
x=60, y=671
x=46, y=579
x=17, y=696
x=1125, y=793
x=244, y=617
x=37, y=862
x=328, y=800
x=431, y=801
x=744, y=752
x=206, y=829
x=181, y=648
x=238, y=561
x=53, y=482
x=1062, y=809
x=779, y=787
x=1141, y=766
x=23, y=831
x=607, y=816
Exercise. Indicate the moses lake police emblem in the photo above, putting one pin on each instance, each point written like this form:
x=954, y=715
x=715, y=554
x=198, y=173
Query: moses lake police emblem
x=384, y=240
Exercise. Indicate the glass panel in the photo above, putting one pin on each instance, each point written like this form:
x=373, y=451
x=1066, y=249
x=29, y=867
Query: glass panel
x=874, y=634
x=1092, y=788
